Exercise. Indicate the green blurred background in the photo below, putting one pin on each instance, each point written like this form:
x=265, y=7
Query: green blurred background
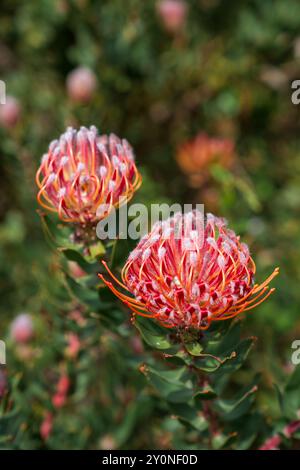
x=225, y=70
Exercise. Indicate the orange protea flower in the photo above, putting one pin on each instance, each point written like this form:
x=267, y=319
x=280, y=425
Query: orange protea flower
x=196, y=156
x=185, y=276
x=83, y=171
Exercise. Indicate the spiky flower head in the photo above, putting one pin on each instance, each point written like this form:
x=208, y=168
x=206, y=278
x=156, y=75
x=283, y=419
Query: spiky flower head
x=84, y=171
x=189, y=272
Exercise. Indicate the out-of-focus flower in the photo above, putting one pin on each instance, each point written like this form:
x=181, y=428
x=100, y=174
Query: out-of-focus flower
x=107, y=443
x=62, y=388
x=172, y=14
x=81, y=84
x=58, y=400
x=22, y=330
x=188, y=272
x=46, y=426
x=84, y=172
x=76, y=316
x=63, y=384
x=273, y=442
x=75, y=270
x=196, y=157
x=10, y=112
x=25, y=352
x=3, y=383
x=73, y=345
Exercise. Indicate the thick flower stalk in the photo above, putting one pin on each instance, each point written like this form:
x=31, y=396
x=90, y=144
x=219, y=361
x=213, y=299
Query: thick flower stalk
x=188, y=272
x=84, y=175
x=196, y=156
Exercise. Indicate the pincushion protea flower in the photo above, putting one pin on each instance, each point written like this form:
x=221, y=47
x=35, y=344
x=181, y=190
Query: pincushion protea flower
x=196, y=156
x=84, y=171
x=187, y=277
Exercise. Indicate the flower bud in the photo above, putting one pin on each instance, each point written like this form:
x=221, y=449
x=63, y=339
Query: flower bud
x=3, y=383
x=46, y=426
x=172, y=14
x=10, y=112
x=81, y=84
x=22, y=330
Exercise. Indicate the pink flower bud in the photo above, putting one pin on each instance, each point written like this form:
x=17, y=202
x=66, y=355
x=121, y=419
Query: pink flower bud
x=73, y=345
x=272, y=443
x=10, y=112
x=291, y=428
x=63, y=385
x=81, y=84
x=58, y=400
x=46, y=426
x=3, y=383
x=77, y=317
x=21, y=329
x=173, y=14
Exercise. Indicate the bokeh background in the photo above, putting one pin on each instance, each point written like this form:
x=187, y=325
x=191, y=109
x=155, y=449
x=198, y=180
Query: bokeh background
x=157, y=75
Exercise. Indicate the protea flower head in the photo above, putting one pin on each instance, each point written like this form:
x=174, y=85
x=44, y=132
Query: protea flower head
x=84, y=171
x=196, y=156
x=185, y=276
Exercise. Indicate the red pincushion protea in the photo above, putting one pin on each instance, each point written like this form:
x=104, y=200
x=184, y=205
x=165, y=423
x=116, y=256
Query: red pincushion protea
x=83, y=171
x=185, y=276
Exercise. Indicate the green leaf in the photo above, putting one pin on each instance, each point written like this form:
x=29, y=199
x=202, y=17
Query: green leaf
x=239, y=353
x=97, y=250
x=234, y=408
x=78, y=290
x=56, y=234
x=194, y=348
x=134, y=413
x=188, y=414
x=210, y=363
x=291, y=395
x=77, y=257
x=155, y=336
x=248, y=429
x=220, y=440
x=206, y=393
x=171, y=384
